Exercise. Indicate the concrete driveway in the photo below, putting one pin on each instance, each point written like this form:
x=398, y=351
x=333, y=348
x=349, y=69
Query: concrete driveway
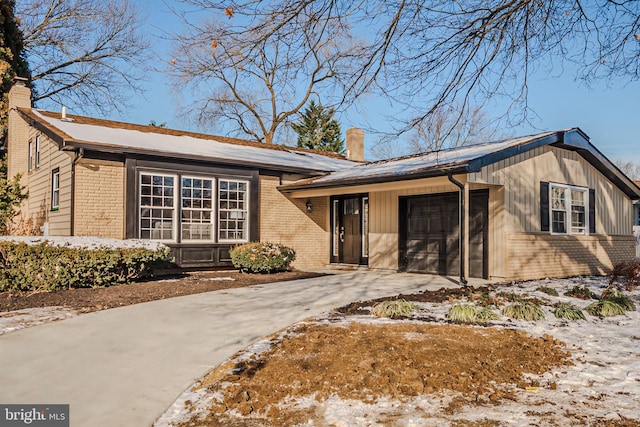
x=125, y=366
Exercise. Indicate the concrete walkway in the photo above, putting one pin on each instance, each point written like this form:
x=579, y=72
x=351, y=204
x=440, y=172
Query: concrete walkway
x=125, y=366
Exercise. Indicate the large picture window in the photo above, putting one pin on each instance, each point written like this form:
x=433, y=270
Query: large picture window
x=183, y=208
x=569, y=208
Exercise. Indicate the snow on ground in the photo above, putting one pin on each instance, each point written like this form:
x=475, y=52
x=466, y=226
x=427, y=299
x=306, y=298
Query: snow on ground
x=19, y=319
x=603, y=384
x=80, y=242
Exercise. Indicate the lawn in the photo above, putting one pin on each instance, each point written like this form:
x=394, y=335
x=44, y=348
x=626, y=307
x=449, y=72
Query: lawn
x=351, y=368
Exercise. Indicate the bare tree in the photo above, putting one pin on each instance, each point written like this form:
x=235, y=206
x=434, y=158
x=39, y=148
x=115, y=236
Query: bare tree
x=258, y=75
x=426, y=56
x=87, y=54
x=631, y=169
x=447, y=127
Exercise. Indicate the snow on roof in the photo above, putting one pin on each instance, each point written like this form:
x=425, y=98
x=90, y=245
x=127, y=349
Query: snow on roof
x=126, y=138
x=423, y=162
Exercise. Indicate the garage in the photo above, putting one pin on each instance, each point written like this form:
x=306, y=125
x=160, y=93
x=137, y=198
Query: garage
x=430, y=233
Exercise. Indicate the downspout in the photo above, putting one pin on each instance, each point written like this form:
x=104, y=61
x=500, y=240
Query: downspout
x=461, y=222
x=78, y=155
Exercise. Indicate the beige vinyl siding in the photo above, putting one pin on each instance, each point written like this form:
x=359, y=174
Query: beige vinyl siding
x=39, y=201
x=521, y=176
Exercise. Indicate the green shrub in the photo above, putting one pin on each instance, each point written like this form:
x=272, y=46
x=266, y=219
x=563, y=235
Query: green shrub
x=46, y=267
x=525, y=310
x=393, y=308
x=547, y=290
x=619, y=298
x=465, y=313
x=568, y=311
x=262, y=257
x=605, y=308
x=581, y=292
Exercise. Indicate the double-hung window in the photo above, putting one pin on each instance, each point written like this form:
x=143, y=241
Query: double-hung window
x=197, y=209
x=55, y=189
x=569, y=209
x=233, y=210
x=37, y=154
x=30, y=157
x=157, y=206
x=185, y=208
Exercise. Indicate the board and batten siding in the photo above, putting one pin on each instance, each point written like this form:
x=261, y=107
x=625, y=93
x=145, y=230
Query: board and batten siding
x=521, y=175
x=58, y=222
x=530, y=253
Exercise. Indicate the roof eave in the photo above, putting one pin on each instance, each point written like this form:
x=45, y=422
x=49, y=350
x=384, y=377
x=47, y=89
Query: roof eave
x=457, y=169
x=577, y=141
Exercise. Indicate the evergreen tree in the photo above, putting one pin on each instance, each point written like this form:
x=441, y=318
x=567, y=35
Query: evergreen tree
x=318, y=130
x=12, y=62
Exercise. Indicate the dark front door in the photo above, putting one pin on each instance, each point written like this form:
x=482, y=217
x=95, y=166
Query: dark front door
x=348, y=229
x=430, y=234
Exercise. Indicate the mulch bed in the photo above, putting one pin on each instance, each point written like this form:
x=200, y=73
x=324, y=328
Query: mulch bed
x=166, y=286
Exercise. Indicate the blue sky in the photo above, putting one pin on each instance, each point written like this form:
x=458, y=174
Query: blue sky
x=609, y=114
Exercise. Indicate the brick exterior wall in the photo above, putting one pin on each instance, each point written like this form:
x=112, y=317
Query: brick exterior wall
x=286, y=221
x=536, y=256
x=100, y=206
x=18, y=133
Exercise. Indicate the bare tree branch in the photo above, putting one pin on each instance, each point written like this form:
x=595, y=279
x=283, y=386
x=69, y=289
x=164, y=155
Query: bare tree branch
x=86, y=54
x=423, y=56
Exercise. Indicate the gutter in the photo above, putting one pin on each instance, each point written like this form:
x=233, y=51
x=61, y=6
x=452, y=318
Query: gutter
x=461, y=220
x=78, y=155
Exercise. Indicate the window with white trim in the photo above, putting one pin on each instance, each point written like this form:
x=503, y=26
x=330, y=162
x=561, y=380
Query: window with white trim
x=188, y=208
x=30, y=157
x=37, y=155
x=157, y=206
x=233, y=210
x=569, y=208
x=197, y=208
x=55, y=189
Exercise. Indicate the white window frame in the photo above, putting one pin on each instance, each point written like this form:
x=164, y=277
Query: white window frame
x=568, y=209
x=55, y=189
x=247, y=211
x=37, y=155
x=30, y=157
x=213, y=210
x=175, y=207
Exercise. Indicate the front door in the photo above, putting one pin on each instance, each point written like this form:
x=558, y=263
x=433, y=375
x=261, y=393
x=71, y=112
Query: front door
x=349, y=220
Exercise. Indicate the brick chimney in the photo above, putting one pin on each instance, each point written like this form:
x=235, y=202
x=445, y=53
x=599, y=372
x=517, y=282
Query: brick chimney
x=17, y=143
x=355, y=144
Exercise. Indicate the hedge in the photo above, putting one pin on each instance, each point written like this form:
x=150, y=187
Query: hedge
x=45, y=267
x=262, y=257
